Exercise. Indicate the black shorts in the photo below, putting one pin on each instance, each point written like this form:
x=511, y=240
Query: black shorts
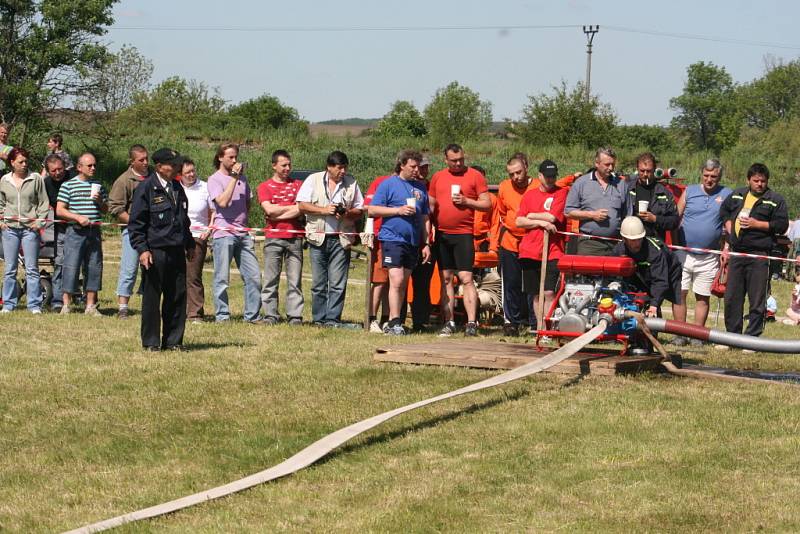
x=531, y=273
x=456, y=252
x=396, y=254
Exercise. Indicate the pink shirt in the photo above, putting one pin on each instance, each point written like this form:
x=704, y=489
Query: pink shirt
x=235, y=215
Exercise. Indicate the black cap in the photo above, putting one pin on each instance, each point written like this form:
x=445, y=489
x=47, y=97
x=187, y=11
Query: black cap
x=548, y=168
x=167, y=156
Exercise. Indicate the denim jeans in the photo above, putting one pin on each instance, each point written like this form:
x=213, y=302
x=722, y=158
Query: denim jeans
x=276, y=252
x=330, y=265
x=29, y=240
x=58, y=271
x=241, y=250
x=83, y=249
x=128, y=267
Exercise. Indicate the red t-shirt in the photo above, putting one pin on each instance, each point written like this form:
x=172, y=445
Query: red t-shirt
x=452, y=219
x=280, y=194
x=368, y=200
x=536, y=201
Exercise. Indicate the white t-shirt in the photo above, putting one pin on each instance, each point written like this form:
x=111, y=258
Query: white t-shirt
x=307, y=189
x=199, y=204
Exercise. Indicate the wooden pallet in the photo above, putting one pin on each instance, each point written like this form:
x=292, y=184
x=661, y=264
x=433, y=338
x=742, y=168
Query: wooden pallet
x=498, y=355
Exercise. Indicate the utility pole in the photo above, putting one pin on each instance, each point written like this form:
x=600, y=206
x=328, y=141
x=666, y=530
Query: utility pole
x=589, y=31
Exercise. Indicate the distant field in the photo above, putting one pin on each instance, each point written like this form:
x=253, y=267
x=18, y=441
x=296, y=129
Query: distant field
x=338, y=129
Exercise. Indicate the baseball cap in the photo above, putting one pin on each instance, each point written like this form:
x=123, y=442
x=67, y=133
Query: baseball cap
x=548, y=168
x=167, y=156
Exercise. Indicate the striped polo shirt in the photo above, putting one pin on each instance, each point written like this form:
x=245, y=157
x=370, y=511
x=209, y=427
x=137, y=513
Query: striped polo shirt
x=75, y=194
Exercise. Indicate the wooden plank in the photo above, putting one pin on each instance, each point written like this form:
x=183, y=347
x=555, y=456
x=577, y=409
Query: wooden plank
x=497, y=355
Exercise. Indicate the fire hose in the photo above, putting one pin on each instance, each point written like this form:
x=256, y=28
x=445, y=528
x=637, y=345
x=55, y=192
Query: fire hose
x=739, y=341
x=324, y=446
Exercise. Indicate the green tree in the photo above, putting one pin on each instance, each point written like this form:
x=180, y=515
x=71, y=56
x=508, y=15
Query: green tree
x=706, y=110
x=402, y=120
x=567, y=118
x=111, y=86
x=173, y=101
x=267, y=112
x=456, y=113
x=46, y=44
x=773, y=97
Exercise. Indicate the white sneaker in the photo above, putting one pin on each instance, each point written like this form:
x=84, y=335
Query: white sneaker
x=64, y=310
x=375, y=328
x=789, y=322
x=5, y=310
x=36, y=312
x=749, y=351
x=93, y=311
x=722, y=347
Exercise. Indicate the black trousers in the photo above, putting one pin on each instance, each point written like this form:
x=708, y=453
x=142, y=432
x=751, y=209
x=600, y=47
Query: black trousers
x=165, y=278
x=420, y=281
x=517, y=306
x=748, y=276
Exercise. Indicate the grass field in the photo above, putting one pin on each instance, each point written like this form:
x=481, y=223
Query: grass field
x=91, y=427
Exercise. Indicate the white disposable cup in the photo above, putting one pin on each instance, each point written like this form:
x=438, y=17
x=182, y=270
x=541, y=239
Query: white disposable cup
x=411, y=202
x=745, y=212
x=643, y=205
x=369, y=226
x=455, y=189
x=95, y=190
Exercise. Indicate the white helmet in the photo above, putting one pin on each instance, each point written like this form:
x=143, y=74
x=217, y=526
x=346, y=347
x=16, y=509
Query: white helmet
x=632, y=228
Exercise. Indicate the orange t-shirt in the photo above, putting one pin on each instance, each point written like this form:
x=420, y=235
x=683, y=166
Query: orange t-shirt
x=506, y=231
x=452, y=219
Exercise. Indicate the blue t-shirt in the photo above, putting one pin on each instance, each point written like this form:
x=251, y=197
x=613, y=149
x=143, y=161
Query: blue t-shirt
x=702, y=226
x=393, y=193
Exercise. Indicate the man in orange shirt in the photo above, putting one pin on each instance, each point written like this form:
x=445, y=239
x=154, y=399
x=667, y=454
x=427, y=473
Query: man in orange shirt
x=455, y=194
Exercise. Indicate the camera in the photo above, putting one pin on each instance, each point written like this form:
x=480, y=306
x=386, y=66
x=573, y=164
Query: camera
x=340, y=209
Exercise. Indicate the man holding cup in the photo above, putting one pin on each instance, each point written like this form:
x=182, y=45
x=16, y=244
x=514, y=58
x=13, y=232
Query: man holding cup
x=754, y=217
x=455, y=194
x=651, y=201
x=82, y=202
x=598, y=200
x=402, y=204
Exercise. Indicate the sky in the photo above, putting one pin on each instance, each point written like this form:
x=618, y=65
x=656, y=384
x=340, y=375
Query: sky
x=354, y=58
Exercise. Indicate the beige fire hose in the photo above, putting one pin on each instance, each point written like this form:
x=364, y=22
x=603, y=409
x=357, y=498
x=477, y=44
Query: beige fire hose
x=324, y=446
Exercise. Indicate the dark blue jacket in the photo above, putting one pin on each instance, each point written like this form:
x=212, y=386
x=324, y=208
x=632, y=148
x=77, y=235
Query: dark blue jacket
x=157, y=219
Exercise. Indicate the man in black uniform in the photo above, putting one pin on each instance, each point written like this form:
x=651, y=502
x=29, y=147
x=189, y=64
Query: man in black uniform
x=660, y=213
x=754, y=216
x=658, y=271
x=159, y=232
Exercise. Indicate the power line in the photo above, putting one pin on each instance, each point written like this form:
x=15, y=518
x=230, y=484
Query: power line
x=340, y=29
x=727, y=40
x=355, y=29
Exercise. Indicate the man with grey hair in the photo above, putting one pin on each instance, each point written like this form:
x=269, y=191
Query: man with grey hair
x=598, y=200
x=701, y=227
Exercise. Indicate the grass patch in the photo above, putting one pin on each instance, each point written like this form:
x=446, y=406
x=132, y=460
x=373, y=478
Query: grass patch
x=91, y=426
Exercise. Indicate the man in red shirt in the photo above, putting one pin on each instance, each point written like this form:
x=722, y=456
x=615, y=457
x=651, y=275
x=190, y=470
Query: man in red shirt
x=283, y=241
x=455, y=193
x=542, y=210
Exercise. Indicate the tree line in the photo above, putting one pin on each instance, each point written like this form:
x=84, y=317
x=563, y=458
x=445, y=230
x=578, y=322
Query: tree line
x=53, y=55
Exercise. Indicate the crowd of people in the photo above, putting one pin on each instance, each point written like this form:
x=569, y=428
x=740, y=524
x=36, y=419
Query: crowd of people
x=414, y=225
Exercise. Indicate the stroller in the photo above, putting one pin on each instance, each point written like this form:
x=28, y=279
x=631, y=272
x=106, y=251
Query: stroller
x=47, y=255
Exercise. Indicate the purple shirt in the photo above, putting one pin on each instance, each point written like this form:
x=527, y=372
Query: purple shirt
x=236, y=213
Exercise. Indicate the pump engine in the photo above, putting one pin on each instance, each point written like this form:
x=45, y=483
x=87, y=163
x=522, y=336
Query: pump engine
x=593, y=288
